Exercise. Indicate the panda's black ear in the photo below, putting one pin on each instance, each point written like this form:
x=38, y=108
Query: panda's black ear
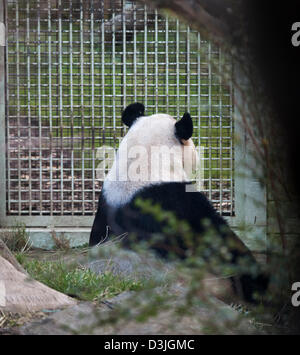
x=184, y=127
x=132, y=112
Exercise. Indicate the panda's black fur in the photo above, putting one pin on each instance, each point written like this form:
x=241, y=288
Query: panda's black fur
x=192, y=207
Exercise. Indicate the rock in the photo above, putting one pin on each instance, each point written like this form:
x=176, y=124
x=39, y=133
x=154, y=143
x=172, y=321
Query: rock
x=153, y=310
x=108, y=318
x=128, y=263
x=72, y=320
x=145, y=266
x=7, y=254
x=21, y=294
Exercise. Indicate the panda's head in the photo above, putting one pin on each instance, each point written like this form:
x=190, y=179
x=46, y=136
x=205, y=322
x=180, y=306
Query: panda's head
x=156, y=149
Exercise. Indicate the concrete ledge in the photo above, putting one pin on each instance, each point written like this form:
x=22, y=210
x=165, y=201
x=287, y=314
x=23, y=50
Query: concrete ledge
x=43, y=237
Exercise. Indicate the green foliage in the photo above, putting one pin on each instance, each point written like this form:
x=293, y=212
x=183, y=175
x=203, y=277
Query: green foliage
x=205, y=254
x=207, y=251
x=21, y=257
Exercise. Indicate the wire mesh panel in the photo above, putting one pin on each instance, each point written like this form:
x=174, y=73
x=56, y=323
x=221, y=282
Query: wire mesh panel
x=71, y=68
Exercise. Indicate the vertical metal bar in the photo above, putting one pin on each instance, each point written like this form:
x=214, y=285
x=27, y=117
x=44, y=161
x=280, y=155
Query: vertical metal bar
x=114, y=74
x=50, y=106
x=221, y=131
x=199, y=102
x=134, y=53
x=232, y=149
x=177, y=67
x=39, y=108
x=124, y=57
x=188, y=59
x=167, y=62
x=82, y=105
x=103, y=73
x=146, y=55
x=29, y=101
x=18, y=107
x=6, y=139
x=93, y=103
x=209, y=119
x=71, y=105
x=156, y=62
x=3, y=54
x=61, y=107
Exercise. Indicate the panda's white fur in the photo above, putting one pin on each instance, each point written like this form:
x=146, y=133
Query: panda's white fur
x=145, y=135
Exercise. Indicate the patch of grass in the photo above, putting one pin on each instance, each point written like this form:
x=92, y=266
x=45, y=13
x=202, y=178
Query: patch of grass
x=16, y=239
x=61, y=242
x=78, y=282
x=20, y=257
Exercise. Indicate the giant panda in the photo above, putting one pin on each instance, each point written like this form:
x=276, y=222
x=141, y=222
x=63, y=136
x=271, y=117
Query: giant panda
x=166, y=183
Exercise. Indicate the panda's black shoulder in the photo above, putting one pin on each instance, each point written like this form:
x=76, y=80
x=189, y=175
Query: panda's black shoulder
x=179, y=197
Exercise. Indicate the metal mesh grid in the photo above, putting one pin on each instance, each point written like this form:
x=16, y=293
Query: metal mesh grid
x=71, y=68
